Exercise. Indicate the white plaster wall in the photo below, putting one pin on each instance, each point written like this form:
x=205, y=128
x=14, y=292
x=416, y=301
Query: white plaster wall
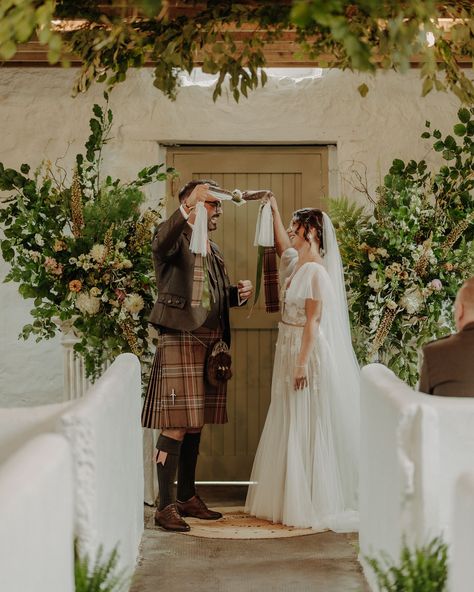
x=39, y=119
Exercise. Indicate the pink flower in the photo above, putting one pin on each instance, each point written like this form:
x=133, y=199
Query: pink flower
x=436, y=284
x=52, y=266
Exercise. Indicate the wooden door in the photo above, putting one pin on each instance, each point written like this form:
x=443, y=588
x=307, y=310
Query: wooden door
x=298, y=176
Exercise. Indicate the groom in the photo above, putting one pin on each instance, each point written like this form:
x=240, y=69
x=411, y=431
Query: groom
x=179, y=400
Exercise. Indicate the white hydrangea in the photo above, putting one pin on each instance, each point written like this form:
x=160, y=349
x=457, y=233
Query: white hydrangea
x=412, y=300
x=98, y=252
x=87, y=303
x=133, y=303
x=374, y=281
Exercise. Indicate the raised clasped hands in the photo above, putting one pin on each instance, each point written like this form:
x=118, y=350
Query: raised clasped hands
x=200, y=193
x=269, y=197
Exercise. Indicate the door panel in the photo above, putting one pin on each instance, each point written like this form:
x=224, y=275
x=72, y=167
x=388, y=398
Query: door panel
x=298, y=176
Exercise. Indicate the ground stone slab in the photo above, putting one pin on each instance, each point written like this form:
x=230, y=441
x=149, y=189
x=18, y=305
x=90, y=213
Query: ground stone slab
x=325, y=562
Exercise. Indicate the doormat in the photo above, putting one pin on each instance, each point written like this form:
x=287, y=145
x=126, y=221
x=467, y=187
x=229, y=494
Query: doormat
x=236, y=524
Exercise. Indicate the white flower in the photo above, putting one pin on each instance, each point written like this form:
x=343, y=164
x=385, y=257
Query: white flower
x=121, y=245
x=104, y=298
x=391, y=304
x=87, y=304
x=34, y=255
x=127, y=264
x=98, y=252
x=373, y=281
x=412, y=300
x=94, y=291
x=39, y=239
x=133, y=303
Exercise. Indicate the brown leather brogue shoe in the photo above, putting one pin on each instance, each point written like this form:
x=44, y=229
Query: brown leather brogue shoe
x=169, y=519
x=196, y=508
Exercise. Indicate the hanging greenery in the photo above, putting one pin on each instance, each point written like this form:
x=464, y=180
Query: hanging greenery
x=405, y=263
x=80, y=248
x=361, y=36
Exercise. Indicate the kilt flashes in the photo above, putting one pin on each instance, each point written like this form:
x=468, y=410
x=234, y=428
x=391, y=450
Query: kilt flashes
x=178, y=393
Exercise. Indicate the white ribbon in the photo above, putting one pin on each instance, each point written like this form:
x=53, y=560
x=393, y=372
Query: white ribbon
x=198, y=244
x=264, y=232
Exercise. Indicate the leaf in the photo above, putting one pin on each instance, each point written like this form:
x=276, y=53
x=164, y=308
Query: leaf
x=448, y=154
x=258, y=278
x=438, y=146
x=426, y=135
x=459, y=129
x=450, y=143
x=363, y=89
x=427, y=86
x=7, y=50
x=464, y=115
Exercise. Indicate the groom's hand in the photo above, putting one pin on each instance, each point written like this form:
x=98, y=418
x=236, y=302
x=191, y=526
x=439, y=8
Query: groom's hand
x=245, y=290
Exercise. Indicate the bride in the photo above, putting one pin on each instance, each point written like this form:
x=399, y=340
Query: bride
x=305, y=472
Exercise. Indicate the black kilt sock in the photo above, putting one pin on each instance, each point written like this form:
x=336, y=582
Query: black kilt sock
x=187, y=467
x=167, y=471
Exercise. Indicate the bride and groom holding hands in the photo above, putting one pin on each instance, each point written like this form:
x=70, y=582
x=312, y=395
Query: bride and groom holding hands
x=305, y=472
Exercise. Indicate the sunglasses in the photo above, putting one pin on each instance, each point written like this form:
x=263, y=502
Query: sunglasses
x=217, y=205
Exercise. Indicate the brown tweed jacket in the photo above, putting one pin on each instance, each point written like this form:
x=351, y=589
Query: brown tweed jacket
x=174, y=268
x=448, y=365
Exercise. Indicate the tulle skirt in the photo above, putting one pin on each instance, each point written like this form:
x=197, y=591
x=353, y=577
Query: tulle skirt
x=295, y=477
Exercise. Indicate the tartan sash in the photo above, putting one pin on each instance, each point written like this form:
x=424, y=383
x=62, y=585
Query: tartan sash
x=198, y=281
x=270, y=280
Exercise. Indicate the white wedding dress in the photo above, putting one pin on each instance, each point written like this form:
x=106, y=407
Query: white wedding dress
x=305, y=472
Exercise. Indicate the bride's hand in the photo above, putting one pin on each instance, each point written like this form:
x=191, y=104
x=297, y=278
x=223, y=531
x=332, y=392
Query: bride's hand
x=300, y=377
x=270, y=198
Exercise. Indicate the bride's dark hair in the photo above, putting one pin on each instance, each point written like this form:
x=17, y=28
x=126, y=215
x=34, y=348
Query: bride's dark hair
x=310, y=218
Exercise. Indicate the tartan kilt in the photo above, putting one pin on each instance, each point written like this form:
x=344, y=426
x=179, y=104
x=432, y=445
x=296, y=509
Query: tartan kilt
x=179, y=364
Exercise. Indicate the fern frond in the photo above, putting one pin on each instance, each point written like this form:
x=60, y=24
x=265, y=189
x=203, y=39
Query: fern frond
x=348, y=212
x=101, y=576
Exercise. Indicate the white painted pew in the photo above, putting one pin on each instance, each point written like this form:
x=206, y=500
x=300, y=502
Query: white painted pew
x=461, y=572
x=105, y=435
x=37, y=517
x=413, y=449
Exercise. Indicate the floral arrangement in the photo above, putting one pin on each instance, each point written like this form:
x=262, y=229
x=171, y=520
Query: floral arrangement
x=82, y=250
x=406, y=261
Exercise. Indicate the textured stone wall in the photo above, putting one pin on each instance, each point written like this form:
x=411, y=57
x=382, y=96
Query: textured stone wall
x=40, y=120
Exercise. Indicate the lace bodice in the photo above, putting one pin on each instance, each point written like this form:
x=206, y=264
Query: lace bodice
x=297, y=287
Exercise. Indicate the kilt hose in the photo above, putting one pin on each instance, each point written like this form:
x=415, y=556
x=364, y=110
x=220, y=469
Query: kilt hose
x=178, y=394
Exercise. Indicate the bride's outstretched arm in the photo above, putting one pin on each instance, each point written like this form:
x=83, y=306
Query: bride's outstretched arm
x=282, y=242
x=308, y=339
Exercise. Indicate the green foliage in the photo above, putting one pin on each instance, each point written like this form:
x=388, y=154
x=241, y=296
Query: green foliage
x=100, y=576
x=406, y=261
x=423, y=569
x=362, y=36
x=82, y=251
x=20, y=20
